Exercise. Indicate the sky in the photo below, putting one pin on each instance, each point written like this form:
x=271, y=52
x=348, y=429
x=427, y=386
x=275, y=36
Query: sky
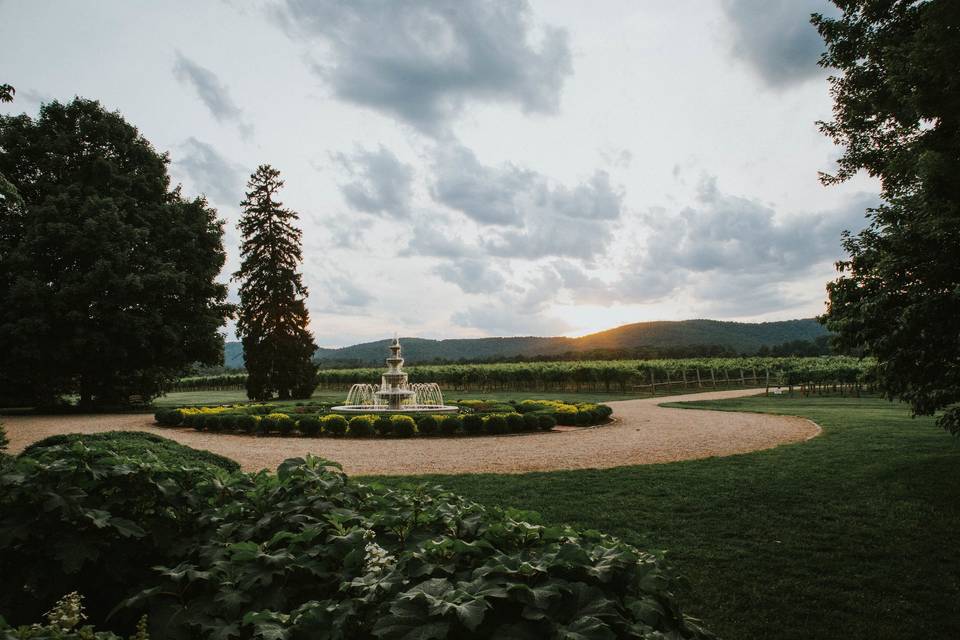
x=467, y=169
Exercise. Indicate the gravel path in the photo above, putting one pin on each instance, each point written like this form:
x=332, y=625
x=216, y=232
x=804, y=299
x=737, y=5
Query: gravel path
x=642, y=433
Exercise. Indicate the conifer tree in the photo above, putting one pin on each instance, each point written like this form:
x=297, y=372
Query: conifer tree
x=272, y=316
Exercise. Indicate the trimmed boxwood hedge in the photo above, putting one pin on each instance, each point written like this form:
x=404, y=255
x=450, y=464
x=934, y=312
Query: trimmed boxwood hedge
x=493, y=418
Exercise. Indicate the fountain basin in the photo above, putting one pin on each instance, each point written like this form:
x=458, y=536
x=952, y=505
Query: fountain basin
x=404, y=409
x=394, y=394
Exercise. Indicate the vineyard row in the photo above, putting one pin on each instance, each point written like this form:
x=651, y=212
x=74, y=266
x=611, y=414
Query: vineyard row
x=598, y=376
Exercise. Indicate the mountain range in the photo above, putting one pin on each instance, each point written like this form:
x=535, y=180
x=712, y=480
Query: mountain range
x=742, y=337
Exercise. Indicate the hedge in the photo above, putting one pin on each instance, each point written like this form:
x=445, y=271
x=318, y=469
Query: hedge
x=483, y=417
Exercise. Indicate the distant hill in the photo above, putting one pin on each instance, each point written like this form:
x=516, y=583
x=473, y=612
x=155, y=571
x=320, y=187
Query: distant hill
x=743, y=337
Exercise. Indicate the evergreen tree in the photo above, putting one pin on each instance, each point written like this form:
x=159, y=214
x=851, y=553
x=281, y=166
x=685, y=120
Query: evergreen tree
x=897, y=114
x=107, y=275
x=272, y=319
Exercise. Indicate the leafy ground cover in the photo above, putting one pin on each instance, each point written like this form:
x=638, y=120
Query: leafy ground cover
x=135, y=444
x=848, y=535
x=303, y=553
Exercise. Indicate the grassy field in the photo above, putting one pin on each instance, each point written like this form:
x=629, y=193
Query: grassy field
x=850, y=535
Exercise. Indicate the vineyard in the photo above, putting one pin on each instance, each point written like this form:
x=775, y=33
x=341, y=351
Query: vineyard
x=603, y=376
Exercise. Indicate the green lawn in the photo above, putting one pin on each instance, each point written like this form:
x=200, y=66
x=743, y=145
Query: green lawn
x=850, y=535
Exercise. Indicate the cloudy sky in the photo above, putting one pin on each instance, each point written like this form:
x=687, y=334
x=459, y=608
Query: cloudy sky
x=485, y=168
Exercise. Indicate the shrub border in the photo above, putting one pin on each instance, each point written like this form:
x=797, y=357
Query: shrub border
x=337, y=425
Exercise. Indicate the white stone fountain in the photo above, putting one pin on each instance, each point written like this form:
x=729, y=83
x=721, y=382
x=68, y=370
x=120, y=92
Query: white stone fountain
x=394, y=394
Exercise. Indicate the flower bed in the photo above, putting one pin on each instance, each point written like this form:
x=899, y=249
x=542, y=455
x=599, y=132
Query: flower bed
x=477, y=417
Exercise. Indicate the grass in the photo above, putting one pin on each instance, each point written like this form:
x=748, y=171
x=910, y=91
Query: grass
x=849, y=535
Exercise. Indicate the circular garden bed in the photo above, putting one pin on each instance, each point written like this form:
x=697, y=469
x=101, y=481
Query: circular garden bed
x=476, y=418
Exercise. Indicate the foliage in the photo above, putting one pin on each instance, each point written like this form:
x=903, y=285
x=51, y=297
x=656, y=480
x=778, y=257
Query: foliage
x=383, y=426
x=307, y=553
x=238, y=418
x=896, y=101
x=131, y=444
x=168, y=417
x=609, y=375
x=386, y=564
x=334, y=425
x=63, y=623
x=69, y=510
x=427, y=425
x=361, y=426
x=604, y=375
x=496, y=424
x=285, y=425
x=531, y=421
x=472, y=423
x=403, y=426
x=247, y=423
x=950, y=420
x=309, y=426
x=267, y=424
x=515, y=422
x=3, y=438
x=545, y=421
x=451, y=425
x=272, y=317
x=107, y=275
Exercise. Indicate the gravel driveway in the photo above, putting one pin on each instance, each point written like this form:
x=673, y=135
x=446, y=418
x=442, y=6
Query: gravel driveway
x=642, y=433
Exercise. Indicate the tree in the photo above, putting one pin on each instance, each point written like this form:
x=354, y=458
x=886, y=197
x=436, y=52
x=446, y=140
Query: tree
x=6, y=93
x=107, y=275
x=897, y=114
x=272, y=318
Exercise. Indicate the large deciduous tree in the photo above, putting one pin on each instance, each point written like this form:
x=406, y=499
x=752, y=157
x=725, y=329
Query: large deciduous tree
x=107, y=275
x=897, y=115
x=272, y=317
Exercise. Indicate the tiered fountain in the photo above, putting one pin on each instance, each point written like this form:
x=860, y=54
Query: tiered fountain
x=394, y=394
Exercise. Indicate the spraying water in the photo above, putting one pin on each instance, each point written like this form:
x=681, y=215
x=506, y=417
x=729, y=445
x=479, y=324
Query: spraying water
x=395, y=393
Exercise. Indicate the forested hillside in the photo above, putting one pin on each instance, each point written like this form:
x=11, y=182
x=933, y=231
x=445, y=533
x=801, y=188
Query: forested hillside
x=741, y=337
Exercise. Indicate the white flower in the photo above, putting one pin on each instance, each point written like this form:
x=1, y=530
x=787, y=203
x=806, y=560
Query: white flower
x=377, y=560
x=67, y=613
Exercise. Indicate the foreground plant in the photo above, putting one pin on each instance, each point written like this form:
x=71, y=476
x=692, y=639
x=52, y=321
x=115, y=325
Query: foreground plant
x=308, y=553
x=63, y=623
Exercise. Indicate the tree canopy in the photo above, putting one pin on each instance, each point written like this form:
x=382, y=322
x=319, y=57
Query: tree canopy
x=272, y=318
x=107, y=274
x=897, y=116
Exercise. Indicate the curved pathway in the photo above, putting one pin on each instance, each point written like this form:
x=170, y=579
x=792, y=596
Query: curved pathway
x=643, y=433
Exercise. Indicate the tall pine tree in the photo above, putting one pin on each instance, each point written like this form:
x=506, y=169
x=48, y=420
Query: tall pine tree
x=272, y=316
